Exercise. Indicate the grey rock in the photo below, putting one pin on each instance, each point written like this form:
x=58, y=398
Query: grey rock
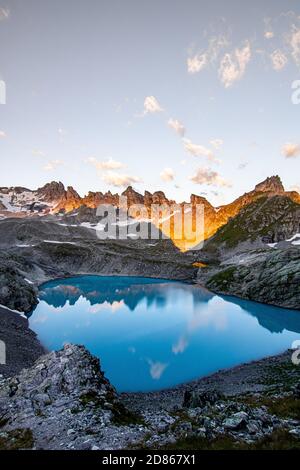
x=22, y=345
x=195, y=399
x=253, y=426
x=43, y=398
x=15, y=292
x=295, y=432
x=272, y=279
x=296, y=390
x=201, y=432
x=261, y=414
x=236, y=421
x=184, y=429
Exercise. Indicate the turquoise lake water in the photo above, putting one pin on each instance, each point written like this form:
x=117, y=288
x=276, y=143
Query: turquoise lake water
x=152, y=334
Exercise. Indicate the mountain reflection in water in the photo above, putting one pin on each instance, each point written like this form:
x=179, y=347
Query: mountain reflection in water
x=151, y=333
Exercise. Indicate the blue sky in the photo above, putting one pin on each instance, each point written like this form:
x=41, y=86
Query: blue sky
x=182, y=96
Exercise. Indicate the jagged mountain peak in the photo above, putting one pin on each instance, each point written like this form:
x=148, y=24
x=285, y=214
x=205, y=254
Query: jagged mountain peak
x=71, y=192
x=129, y=190
x=267, y=219
x=52, y=184
x=133, y=197
x=53, y=191
x=55, y=198
x=270, y=184
x=195, y=199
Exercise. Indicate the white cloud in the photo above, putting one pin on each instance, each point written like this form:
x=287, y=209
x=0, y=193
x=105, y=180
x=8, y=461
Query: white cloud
x=269, y=34
x=113, y=308
x=291, y=150
x=199, y=150
x=167, y=174
x=52, y=165
x=177, y=126
x=294, y=41
x=180, y=346
x=197, y=63
x=157, y=369
x=120, y=180
x=2, y=134
x=151, y=105
x=233, y=65
x=209, y=177
x=109, y=164
x=202, y=59
x=217, y=143
x=279, y=60
x=4, y=13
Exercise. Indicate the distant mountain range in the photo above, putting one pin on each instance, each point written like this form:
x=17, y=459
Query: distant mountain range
x=54, y=198
x=251, y=246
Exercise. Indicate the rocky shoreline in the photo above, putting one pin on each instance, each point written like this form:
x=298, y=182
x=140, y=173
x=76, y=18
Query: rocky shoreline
x=249, y=406
x=64, y=401
x=269, y=277
x=22, y=345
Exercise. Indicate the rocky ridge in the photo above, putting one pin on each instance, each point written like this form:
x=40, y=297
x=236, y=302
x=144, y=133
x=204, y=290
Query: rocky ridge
x=54, y=198
x=256, y=255
x=35, y=250
x=257, y=244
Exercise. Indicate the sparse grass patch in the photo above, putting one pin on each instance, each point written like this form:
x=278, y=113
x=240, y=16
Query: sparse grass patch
x=286, y=373
x=223, y=279
x=89, y=398
x=200, y=443
x=122, y=416
x=16, y=439
x=278, y=440
x=285, y=407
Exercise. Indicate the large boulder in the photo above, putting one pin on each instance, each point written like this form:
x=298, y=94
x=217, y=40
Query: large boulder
x=15, y=292
x=22, y=347
x=236, y=421
x=200, y=399
x=62, y=398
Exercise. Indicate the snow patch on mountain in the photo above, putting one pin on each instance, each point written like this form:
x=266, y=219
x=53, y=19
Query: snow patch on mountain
x=25, y=201
x=294, y=240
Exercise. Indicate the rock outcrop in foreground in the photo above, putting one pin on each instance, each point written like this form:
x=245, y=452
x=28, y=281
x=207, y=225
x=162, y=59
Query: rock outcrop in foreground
x=64, y=401
x=22, y=344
